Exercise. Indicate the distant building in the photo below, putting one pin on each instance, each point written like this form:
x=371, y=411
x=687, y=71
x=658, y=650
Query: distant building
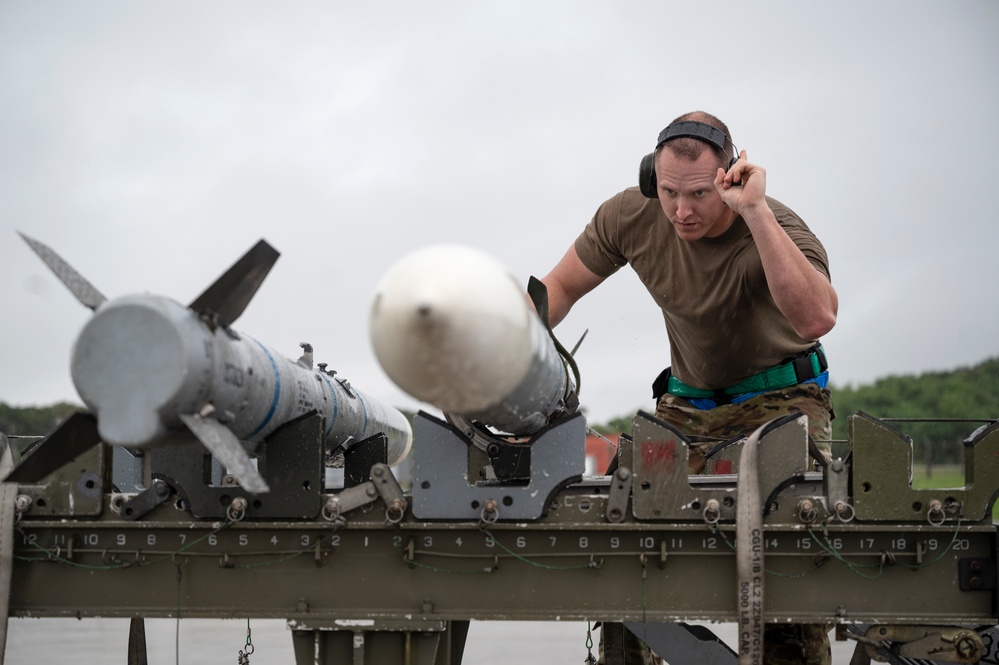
x=600, y=451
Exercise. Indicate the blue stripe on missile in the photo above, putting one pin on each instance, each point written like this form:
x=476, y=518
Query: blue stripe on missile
x=336, y=405
x=277, y=391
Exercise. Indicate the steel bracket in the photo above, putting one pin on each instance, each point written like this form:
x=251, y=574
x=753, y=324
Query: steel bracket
x=620, y=493
x=442, y=489
x=74, y=490
x=382, y=485
x=138, y=505
x=291, y=461
x=664, y=489
x=882, y=476
x=359, y=459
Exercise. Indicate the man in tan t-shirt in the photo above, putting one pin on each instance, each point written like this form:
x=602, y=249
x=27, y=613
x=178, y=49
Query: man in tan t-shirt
x=744, y=288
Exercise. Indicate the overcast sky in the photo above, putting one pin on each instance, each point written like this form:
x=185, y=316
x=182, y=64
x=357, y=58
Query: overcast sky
x=151, y=144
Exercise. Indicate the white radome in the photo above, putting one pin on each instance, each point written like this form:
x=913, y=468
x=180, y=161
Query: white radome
x=453, y=328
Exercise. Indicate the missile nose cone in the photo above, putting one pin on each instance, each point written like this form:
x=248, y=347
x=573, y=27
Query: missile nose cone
x=450, y=325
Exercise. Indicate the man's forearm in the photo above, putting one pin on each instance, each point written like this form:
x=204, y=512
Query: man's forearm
x=802, y=293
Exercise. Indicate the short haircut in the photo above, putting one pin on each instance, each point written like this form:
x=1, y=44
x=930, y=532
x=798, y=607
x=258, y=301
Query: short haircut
x=691, y=148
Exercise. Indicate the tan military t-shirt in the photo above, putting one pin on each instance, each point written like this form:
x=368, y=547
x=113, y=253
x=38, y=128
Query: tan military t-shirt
x=721, y=320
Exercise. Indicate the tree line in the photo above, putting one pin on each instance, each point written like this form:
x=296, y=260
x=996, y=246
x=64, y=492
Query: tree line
x=34, y=420
x=961, y=398
x=969, y=393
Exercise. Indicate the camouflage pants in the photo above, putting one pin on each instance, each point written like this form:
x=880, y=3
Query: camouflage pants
x=798, y=644
x=731, y=420
x=784, y=644
x=617, y=643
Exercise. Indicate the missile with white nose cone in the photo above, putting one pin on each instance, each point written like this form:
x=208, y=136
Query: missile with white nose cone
x=146, y=364
x=451, y=326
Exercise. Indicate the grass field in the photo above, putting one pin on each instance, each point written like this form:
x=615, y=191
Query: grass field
x=944, y=475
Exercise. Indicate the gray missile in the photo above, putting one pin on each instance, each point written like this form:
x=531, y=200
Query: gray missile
x=451, y=326
x=146, y=364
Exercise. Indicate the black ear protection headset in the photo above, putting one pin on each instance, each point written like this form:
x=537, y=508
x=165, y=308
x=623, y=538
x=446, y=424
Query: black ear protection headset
x=698, y=130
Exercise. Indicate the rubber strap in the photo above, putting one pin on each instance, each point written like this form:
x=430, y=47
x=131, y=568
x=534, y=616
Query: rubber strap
x=538, y=293
x=749, y=553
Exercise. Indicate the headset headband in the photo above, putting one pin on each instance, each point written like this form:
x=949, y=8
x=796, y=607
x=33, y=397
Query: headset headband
x=694, y=129
x=689, y=128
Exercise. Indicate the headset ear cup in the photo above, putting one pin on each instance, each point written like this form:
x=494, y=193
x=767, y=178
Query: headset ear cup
x=647, y=176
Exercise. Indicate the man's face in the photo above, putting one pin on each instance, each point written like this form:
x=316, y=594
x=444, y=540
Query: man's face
x=688, y=196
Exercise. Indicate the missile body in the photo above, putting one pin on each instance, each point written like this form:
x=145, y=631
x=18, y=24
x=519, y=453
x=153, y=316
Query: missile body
x=451, y=326
x=144, y=360
x=145, y=364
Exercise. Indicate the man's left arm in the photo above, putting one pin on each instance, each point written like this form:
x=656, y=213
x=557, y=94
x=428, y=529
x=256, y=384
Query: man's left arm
x=803, y=294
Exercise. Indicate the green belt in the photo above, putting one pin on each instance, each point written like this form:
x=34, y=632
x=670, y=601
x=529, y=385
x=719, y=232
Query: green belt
x=785, y=375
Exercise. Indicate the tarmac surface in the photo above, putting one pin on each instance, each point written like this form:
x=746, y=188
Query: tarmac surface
x=99, y=641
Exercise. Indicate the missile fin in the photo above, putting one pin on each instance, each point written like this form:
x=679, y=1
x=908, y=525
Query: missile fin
x=221, y=442
x=76, y=435
x=67, y=274
x=232, y=292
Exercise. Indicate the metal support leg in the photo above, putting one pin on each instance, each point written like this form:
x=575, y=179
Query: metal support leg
x=137, y=642
x=379, y=643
